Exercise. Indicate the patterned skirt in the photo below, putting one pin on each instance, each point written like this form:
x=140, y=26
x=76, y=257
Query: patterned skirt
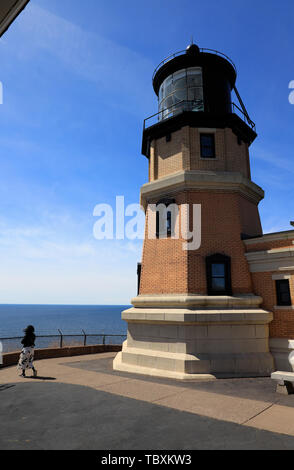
x=26, y=359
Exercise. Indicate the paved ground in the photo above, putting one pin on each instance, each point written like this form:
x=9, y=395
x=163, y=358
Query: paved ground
x=81, y=403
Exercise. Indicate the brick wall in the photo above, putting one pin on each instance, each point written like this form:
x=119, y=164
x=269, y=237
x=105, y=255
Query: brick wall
x=250, y=219
x=263, y=246
x=164, y=263
x=168, y=155
x=183, y=152
x=166, y=268
x=282, y=325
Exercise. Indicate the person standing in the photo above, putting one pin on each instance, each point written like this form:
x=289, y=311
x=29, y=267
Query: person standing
x=26, y=359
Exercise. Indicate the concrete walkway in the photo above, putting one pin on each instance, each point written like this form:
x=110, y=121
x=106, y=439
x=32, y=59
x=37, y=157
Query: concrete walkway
x=81, y=403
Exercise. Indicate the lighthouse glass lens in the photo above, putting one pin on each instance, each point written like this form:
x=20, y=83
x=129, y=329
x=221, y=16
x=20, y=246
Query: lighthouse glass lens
x=181, y=91
x=194, y=77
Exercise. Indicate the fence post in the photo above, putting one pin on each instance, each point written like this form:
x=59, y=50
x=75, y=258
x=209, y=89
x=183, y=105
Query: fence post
x=104, y=342
x=85, y=338
x=61, y=339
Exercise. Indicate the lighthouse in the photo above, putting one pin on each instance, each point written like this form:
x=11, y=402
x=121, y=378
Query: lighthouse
x=197, y=314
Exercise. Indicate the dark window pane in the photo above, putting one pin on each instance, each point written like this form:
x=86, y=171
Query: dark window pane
x=168, y=222
x=218, y=283
x=285, y=296
x=284, y=287
x=164, y=219
x=218, y=270
x=207, y=145
x=283, y=292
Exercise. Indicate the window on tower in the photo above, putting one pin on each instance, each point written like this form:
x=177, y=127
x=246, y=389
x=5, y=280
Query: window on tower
x=218, y=271
x=166, y=213
x=283, y=292
x=207, y=146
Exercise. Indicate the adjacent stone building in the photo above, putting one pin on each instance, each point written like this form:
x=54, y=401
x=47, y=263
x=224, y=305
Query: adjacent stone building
x=223, y=309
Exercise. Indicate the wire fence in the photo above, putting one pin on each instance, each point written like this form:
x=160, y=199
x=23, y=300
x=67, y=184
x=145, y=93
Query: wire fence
x=62, y=340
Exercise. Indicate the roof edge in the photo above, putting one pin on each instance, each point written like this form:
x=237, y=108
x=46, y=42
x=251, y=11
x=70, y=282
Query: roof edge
x=13, y=13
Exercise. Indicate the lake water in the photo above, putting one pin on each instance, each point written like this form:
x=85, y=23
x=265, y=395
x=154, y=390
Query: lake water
x=70, y=319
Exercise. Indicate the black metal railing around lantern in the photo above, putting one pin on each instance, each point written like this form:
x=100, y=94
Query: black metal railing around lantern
x=185, y=105
x=244, y=115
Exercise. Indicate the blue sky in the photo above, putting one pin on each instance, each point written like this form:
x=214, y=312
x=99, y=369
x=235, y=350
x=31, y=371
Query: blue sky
x=77, y=87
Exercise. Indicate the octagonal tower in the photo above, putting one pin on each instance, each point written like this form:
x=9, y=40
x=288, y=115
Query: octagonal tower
x=196, y=314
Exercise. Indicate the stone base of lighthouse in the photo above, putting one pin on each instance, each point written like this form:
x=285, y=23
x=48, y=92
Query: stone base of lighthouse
x=190, y=337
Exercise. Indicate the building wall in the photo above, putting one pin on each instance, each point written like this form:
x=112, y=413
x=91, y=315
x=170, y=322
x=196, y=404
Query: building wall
x=221, y=233
x=183, y=152
x=250, y=219
x=282, y=325
x=168, y=155
x=269, y=245
x=166, y=268
x=164, y=263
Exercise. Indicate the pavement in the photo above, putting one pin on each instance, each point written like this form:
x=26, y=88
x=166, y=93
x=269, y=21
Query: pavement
x=81, y=403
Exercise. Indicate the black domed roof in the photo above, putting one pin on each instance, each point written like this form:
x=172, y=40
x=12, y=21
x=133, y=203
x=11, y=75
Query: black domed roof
x=192, y=49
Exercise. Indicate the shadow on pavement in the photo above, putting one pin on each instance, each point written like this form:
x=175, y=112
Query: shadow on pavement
x=259, y=388
x=55, y=416
x=5, y=387
x=41, y=378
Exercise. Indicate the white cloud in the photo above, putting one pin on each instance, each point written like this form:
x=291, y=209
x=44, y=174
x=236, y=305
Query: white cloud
x=55, y=259
x=276, y=160
x=112, y=67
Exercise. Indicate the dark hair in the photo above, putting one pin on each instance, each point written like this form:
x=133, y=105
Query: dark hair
x=29, y=330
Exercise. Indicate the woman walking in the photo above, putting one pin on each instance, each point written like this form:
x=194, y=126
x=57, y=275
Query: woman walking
x=26, y=358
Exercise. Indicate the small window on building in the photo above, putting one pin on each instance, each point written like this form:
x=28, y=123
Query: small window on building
x=139, y=269
x=218, y=270
x=207, y=145
x=283, y=292
x=165, y=218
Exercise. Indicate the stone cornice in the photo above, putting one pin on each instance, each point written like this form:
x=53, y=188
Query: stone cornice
x=201, y=180
x=199, y=301
x=269, y=237
x=278, y=259
x=197, y=316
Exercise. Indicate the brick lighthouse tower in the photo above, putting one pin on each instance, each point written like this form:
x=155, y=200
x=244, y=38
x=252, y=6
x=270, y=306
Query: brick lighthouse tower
x=196, y=314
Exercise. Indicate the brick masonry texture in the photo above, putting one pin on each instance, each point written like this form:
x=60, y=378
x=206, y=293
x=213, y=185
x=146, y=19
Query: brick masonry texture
x=282, y=325
x=183, y=153
x=270, y=245
x=166, y=268
x=226, y=214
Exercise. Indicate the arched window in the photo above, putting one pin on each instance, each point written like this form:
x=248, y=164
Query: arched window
x=165, y=218
x=218, y=272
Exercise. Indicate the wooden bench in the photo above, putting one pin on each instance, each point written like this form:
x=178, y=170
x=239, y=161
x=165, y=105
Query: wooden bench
x=285, y=382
